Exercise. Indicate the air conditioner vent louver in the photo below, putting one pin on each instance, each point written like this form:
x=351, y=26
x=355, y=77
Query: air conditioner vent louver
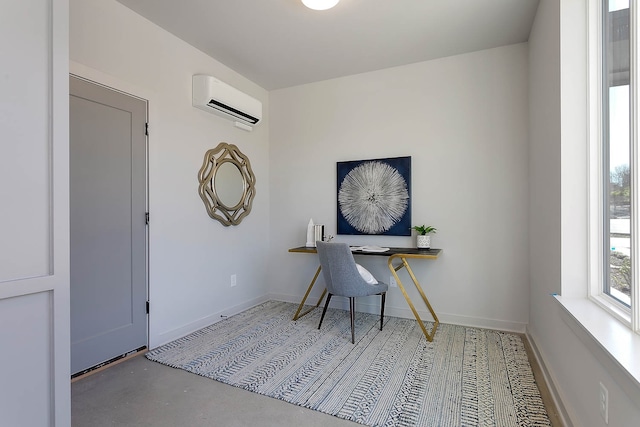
x=214, y=96
x=232, y=111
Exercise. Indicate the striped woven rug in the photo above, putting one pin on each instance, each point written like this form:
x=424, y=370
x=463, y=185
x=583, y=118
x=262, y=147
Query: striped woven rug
x=393, y=377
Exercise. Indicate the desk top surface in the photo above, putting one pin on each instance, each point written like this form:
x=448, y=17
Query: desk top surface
x=412, y=252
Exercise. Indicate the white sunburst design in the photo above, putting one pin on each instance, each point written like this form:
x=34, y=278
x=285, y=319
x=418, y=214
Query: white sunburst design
x=373, y=197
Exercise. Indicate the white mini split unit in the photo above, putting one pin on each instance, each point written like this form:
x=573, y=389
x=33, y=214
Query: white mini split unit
x=214, y=96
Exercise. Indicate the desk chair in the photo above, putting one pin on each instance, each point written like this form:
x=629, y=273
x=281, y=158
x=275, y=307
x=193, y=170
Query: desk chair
x=343, y=279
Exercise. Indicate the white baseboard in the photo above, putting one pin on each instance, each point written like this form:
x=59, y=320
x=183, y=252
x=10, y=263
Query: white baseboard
x=549, y=380
x=406, y=313
x=184, y=330
x=336, y=302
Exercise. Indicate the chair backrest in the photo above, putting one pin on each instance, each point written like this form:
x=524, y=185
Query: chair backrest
x=341, y=275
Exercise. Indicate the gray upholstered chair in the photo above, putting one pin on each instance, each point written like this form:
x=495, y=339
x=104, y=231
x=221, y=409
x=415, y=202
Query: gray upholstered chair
x=343, y=279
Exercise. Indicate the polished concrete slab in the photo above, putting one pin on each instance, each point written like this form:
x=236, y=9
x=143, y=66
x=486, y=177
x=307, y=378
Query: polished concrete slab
x=138, y=392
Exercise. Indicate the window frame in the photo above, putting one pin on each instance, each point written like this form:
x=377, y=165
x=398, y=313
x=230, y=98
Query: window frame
x=598, y=209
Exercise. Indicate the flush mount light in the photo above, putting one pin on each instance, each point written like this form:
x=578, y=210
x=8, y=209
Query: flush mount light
x=320, y=4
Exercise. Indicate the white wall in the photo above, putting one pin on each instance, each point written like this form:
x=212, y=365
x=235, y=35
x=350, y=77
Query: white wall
x=463, y=121
x=191, y=255
x=558, y=209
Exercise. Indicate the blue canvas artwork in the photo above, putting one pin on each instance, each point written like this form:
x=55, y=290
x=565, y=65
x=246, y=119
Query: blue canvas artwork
x=374, y=197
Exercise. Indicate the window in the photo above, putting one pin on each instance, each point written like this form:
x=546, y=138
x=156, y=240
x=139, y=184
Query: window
x=617, y=150
x=614, y=164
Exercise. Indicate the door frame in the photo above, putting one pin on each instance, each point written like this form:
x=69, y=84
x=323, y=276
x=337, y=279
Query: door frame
x=99, y=78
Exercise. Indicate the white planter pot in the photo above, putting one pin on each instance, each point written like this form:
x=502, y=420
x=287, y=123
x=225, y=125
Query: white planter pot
x=423, y=241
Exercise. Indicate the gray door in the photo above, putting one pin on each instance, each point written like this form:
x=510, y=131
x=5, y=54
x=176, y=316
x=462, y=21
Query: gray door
x=108, y=226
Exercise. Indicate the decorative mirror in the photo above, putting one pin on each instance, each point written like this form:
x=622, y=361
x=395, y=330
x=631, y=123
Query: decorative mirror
x=227, y=184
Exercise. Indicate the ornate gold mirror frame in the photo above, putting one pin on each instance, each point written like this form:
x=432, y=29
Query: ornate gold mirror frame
x=227, y=184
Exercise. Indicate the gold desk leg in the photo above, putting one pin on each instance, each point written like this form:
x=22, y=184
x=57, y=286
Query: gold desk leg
x=436, y=322
x=313, y=282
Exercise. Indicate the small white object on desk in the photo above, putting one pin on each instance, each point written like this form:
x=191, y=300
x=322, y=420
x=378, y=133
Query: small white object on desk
x=311, y=243
x=368, y=248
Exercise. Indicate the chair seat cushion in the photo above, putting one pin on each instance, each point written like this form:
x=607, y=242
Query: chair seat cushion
x=368, y=277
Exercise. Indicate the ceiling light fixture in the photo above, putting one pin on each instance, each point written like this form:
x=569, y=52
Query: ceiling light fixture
x=320, y=4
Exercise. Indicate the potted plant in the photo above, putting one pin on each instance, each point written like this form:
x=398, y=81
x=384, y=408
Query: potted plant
x=424, y=239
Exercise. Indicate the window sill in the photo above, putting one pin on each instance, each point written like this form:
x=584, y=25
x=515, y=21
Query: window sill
x=613, y=309
x=614, y=344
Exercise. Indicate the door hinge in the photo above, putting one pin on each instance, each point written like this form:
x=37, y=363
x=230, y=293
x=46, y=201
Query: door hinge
x=146, y=129
x=147, y=307
x=146, y=218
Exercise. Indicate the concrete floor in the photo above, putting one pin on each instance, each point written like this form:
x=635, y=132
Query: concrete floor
x=138, y=392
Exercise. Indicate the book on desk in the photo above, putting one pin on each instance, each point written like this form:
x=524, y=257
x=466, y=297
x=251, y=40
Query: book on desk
x=368, y=248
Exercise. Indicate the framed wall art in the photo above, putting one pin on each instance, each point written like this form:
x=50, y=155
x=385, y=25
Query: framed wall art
x=374, y=196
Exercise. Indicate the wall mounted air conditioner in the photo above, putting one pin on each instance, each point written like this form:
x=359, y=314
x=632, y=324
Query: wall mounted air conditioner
x=214, y=96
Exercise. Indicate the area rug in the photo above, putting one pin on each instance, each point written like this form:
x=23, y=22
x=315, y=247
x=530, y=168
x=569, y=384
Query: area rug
x=393, y=377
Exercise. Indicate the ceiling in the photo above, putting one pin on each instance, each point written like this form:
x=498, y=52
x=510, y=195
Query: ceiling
x=281, y=43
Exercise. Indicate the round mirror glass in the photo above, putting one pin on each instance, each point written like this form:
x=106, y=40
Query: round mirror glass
x=229, y=184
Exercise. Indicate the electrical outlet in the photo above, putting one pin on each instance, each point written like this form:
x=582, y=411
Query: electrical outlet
x=603, y=400
x=233, y=280
x=392, y=282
